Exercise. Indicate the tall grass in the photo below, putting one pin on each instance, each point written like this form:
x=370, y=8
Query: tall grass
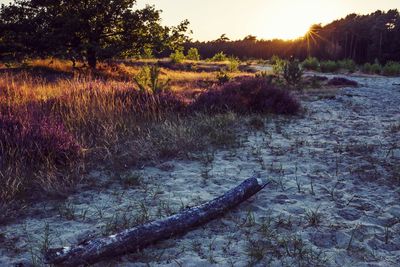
x=52, y=129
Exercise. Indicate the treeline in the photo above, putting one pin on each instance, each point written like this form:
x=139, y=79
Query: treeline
x=84, y=30
x=362, y=38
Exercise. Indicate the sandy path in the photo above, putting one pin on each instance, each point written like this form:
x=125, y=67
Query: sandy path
x=334, y=200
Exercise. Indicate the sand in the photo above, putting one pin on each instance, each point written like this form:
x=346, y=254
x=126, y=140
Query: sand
x=333, y=199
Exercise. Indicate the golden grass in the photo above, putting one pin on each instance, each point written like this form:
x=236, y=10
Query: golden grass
x=98, y=109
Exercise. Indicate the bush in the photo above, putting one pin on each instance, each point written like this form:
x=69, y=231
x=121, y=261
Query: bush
x=278, y=66
x=246, y=95
x=233, y=65
x=274, y=59
x=193, y=54
x=376, y=68
x=148, y=80
x=347, y=64
x=339, y=81
x=329, y=66
x=391, y=68
x=177, y=57
x=223, y=77
x=311, y=63
x=367, y=68
x=36, y=139
x=292, y=72
x=219, y=57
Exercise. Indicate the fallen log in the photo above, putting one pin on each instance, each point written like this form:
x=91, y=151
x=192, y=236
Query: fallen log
x=132, y=240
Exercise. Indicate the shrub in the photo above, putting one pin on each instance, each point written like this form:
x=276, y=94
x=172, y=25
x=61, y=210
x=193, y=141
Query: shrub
x=278, y=66
x=292, y=72
x=234, y=64
x=274, y=59
x=177, y=57
x=367, y=68
x=193, y=54
x=329, y=66
x=223, y=77
x=376, y=68
x=391, y=68
x=311, y=63
x=339, y=81
x=246, y=95
x=347, y=64
x=219, y=57
x=36, y=140
x=148, y=79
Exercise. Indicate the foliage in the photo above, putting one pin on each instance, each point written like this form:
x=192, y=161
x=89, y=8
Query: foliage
x=311, y=63
x=375, y=68
x=247, y=95
x=193, y=54
x=347, y=64
x=329, y=66
x=292, y=72
x=223, y=77
x=148, y=52
x=233, y=64
x=96, y=29
x=177, y=57
x=391, y=68
x=219, y=57
x=148, y=80
x=279, y=66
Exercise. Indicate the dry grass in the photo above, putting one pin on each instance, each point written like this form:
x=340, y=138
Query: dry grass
x=58, y=121
x=102, y=112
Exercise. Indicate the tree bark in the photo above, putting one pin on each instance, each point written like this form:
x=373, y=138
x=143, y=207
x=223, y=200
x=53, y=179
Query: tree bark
x=132, y=240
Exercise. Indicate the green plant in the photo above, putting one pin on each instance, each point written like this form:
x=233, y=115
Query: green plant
x=279, y=66
x=347, y=64
x=147, y=52
x=148, y=79
x=311, y=63
x=391, y=68
x=223, y=77
x=219, y=57
x=177, y=57
x=329, y=66
x=234, y=64
x=193, y=54
x=292, y=72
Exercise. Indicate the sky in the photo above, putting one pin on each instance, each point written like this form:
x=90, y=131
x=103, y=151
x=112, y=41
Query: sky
x=265, y=19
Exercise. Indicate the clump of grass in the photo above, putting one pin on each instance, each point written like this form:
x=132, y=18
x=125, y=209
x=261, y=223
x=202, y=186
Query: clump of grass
x=245, y=95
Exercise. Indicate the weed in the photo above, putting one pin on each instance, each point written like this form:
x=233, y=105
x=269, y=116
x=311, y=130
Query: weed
x=314, y=217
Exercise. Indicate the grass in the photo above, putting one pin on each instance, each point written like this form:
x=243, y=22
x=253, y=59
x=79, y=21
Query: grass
x=58, y=121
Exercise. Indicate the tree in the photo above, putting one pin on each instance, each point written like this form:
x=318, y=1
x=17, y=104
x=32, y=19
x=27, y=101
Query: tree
x=91, y=29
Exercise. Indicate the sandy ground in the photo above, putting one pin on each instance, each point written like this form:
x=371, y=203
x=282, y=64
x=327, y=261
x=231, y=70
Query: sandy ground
x=333, y=198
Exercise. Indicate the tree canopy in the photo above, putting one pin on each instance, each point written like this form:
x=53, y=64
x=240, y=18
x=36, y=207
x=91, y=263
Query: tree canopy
x=90, y=29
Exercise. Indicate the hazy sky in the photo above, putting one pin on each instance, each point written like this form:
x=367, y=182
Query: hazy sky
x=262, y=18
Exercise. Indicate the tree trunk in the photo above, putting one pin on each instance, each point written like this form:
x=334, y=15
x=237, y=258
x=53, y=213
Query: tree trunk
x=92, y=58
x=132, y=240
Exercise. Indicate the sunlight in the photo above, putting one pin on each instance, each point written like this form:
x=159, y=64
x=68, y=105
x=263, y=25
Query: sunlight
x=288, y=23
